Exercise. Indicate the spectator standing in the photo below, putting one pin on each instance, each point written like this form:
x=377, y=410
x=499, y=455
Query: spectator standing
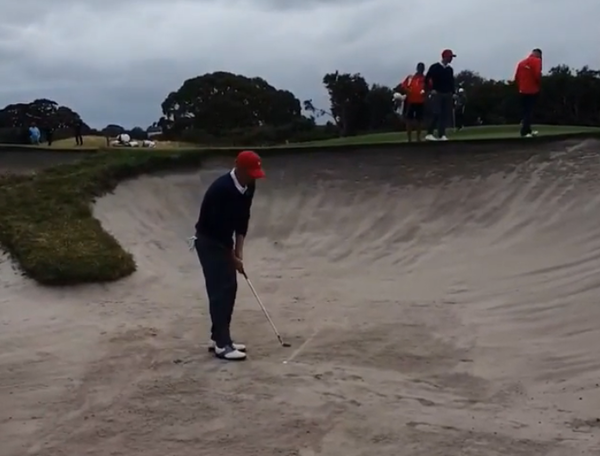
x=414, y=88
x=78, y=127
x=49, y=131
x=440, y=81
x=459, y=109
x=34, y=134
x=528, y=77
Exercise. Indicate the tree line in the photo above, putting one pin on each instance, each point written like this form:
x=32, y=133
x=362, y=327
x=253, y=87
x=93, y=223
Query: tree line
x=228, y=109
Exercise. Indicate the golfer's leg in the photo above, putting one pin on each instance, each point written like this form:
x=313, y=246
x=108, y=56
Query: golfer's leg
x=419, y=113
x=409, y=122
x=216, y=270
x=525, y=116
x=435, y=114
x=433, y=121
x=445, y=114
x=230, y=287
x=532, y=103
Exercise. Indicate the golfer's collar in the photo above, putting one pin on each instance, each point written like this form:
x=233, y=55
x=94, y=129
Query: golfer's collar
x=236, y=182
x=445, y=65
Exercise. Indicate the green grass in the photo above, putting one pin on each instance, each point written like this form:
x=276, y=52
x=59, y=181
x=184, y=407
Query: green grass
x=95, y=143
x=470, y=133
x=47, y=224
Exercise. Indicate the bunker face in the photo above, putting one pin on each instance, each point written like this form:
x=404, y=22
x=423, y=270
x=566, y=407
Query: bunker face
x=435, y=307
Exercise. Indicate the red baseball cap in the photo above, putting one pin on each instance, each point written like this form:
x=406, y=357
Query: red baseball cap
x=448, y=53
x=250, y=162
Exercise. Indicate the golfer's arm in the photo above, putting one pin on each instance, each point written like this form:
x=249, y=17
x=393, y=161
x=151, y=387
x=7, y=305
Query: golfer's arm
x=538, y=71
x=429, y=79
x=242, y=228
x=240, y=236
x=239, y=246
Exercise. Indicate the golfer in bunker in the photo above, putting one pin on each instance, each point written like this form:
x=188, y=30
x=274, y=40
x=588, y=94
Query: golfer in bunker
x=225, y=214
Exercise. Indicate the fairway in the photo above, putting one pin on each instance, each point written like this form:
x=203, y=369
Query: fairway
x=95, y=143
x=99, y=143
x=469, y=133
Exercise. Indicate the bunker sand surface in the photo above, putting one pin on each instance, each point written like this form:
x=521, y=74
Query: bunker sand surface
x=436, y=306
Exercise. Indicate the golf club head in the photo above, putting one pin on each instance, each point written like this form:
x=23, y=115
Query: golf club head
x=285, y=344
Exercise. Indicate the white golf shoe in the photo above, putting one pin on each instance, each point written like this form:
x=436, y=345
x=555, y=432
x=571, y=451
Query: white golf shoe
x=430, y=138
x=444, y=138
x=229, y=353
x=238, y=347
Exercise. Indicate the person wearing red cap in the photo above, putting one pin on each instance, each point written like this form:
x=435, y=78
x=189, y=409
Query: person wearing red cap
x=225, y=214
x=528, y=77
x=440, y=81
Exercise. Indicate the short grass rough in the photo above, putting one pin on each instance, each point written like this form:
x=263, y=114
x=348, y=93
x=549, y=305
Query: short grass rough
x=47, y=224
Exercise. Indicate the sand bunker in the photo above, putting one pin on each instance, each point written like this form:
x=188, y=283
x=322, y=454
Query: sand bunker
x=436, y=306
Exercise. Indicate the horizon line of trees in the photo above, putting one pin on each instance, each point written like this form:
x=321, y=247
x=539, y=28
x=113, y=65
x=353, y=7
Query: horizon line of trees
x=228, y=109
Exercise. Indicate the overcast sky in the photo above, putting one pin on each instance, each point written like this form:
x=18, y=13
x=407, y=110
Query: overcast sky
x=115, y=61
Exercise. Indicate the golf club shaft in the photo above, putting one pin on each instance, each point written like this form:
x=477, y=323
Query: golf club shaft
x=264, y=309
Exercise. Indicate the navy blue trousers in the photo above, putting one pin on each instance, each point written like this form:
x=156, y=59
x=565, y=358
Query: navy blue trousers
x=220, y=277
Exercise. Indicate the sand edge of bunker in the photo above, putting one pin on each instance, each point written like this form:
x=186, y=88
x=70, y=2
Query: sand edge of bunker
x=47, y=224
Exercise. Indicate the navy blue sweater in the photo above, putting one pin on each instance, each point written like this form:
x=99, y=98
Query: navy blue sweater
x=441, y=78
x=225, y=211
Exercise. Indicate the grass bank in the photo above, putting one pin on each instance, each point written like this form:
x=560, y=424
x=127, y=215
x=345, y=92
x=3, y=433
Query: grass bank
x=47, y=224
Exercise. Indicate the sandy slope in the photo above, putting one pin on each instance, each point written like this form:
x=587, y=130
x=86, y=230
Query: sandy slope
x=440, y=312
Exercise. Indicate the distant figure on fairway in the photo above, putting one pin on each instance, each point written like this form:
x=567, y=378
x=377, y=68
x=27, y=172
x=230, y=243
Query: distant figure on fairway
x=459, y=109
x=528, y=77
x=78, y=127
x=34, y=134
x=414, y=88
x=225, y=214
x=440, y=80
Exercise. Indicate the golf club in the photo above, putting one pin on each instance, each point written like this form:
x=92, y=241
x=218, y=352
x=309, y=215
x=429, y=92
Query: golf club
x=283, y=344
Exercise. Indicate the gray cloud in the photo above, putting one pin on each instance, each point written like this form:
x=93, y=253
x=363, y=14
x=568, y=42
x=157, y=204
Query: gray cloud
x=115, y=61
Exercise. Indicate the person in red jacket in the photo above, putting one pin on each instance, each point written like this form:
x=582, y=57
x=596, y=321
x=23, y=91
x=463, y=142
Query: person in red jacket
x=414, y=88
x=528, y=77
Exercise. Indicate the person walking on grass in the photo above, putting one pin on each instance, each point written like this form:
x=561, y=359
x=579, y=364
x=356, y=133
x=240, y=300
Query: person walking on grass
x=225, y=213
x=414, y=88
x=78, y=127
x=440, y=81
x=528, y=77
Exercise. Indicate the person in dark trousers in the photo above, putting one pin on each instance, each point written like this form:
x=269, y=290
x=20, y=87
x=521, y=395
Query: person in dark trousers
x=440, y=81
x=528, y=77
x=49, y=135
x=225, y=213
x=78, y=127
x=459, y=109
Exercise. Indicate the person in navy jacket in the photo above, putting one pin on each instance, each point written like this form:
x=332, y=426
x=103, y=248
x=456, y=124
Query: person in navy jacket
x=220, y=233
